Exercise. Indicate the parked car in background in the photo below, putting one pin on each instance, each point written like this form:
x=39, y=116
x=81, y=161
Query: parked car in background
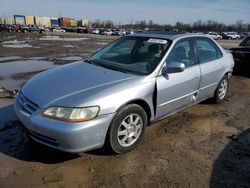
x=80, y=29
x=107, y=32
x=225, y=36
x=120, y=32
x=241, y=55
x=233, y=35
x=244, y=34
x=6, y=28
x=88, y=30
x=95, y=31
x=32, y=28
x=16, y=28
x=69, y=29
x=139, y=31
x=134, y=81
x=129, y=32
x=57, y=29
x=101, y=31
x=214, y=35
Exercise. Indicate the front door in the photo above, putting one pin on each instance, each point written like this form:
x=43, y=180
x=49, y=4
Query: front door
x=176, y=90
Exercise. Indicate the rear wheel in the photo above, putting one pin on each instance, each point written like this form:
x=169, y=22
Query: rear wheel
x=127, y=128
x=221, y=90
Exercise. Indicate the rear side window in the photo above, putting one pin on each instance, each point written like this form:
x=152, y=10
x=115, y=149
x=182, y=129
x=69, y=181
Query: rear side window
x=207, y=50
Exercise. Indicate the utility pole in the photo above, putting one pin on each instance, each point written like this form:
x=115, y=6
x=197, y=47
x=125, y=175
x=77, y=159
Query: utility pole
x=131, y=22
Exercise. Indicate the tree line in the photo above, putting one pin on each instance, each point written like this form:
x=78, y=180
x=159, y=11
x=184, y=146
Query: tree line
x=198, y=26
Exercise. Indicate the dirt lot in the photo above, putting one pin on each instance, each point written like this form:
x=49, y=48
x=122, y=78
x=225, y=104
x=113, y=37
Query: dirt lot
x=207, y=145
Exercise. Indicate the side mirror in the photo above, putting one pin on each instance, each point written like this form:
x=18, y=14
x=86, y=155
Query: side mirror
x=174, y=67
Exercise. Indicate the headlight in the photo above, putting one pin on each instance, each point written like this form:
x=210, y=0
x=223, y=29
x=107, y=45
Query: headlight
x=72, y=114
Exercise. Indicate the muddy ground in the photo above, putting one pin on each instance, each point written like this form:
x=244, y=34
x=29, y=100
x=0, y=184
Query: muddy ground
x=206, y=145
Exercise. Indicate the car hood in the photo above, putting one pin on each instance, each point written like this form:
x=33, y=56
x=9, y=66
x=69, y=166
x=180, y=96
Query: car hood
x=54, y=85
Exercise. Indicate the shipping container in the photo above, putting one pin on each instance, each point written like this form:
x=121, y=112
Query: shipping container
x=9, y=21
x=1, y=20
x=65, y=22
x=73, y=23
x=39, y=21
x=19, y=19
x=54, y=22
x=84, y=22
x=47, y=22
x=29, y=20
x=42, y=21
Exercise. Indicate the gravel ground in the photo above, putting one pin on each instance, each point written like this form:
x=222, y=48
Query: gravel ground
x=206, y=145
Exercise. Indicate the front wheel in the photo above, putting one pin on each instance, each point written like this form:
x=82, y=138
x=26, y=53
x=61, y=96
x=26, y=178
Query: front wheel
x=127, y=128
x=221, y=91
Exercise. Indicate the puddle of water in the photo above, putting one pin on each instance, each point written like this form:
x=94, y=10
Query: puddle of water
x=71, y=58
x=17, y=45
x=13, y=42
x=9, y=58
x=58, y=38
x=85, y=54
x=12, y=84
x=17, y=67
x=92, y=51
x=102, y=43
x=25, y=66
x=38, y=58
x=69, y=46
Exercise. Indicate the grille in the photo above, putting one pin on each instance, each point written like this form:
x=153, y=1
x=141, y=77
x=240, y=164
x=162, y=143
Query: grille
x=26, y=104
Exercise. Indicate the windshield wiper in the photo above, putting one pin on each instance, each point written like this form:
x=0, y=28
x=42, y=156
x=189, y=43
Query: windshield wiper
x=105, y=66
x=89, y=61
x=113, y=68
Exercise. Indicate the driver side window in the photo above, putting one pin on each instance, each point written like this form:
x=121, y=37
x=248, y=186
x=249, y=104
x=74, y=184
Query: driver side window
x=183, y=52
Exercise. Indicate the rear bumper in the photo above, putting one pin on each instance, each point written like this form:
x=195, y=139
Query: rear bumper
x=65, y=136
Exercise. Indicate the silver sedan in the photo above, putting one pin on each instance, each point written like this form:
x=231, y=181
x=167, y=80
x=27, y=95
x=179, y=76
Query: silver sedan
x=114, y=95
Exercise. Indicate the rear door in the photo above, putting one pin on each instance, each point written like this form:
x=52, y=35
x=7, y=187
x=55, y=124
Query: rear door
x=177, y=90
x=211, y=65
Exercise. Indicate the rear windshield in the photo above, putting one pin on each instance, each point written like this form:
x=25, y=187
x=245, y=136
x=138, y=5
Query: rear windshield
x=245, y=42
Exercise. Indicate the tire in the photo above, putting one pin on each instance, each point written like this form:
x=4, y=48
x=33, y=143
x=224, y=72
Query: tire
x=221, y=91
x=124, y=135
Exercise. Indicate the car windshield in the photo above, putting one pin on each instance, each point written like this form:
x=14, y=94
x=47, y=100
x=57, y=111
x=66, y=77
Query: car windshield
x=131, y=54
x=245, y=42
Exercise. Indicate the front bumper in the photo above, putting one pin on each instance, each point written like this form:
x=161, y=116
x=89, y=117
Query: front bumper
x=65, y=136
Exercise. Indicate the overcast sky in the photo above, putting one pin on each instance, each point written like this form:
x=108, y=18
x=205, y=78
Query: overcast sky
x=122, y=11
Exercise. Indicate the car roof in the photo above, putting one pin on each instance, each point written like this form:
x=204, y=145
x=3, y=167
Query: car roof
x=167, y=35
